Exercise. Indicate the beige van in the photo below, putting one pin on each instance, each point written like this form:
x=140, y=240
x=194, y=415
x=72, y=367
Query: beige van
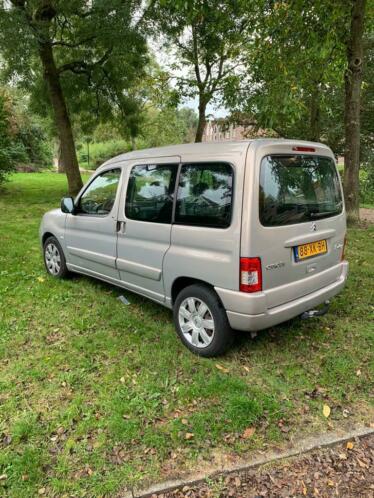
x=229, y=235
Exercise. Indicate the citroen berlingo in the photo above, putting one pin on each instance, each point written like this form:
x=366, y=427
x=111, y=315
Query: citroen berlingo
x=229, y=235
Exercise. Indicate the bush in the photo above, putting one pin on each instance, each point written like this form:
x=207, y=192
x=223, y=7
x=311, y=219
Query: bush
x=367, y=183
x=10, y=151
x=100, y=152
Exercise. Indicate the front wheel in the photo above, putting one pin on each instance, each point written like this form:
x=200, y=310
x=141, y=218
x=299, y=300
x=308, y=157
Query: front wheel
x=201, y=322
x=54, y=258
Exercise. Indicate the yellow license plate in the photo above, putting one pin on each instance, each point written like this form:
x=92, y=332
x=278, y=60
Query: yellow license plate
x=309, y=250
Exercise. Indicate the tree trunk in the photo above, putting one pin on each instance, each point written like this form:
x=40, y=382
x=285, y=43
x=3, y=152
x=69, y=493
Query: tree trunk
x=65, y=134
x=315, y=114
x=60, y=164
x=133, y=143
x=353, y=81
x=202, y=120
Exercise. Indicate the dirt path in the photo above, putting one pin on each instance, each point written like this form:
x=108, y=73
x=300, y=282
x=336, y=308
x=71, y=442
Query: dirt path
x=367, y=215
x=345, y=470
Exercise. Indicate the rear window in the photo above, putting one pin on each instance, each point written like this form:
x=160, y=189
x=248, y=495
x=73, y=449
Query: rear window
x=204, y=195
x=298, y=188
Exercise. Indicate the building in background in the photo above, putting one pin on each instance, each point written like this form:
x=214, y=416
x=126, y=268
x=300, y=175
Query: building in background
x=225, y=129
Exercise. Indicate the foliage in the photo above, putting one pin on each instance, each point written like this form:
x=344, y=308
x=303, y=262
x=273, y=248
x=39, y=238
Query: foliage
x=204, y=40
x=32, y=131
x=295, y=63
x=7, y=149
x=98, y=49
x=168, y=126
x=83, y=57
x=22, y=138
x=103, y=395
x=100, y=152
x=28, y=143
x=160, y=126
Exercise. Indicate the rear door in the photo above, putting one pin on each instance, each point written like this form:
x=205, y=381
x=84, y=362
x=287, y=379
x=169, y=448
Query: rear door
x=298, y=222
x=144, y=224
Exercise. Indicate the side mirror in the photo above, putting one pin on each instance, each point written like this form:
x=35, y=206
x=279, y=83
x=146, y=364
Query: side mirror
x=67, y=205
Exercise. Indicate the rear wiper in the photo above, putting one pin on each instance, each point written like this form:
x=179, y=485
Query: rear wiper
x=318, y=214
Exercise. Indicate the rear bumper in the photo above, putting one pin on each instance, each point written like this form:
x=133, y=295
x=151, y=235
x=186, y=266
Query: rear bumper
x=243, y=309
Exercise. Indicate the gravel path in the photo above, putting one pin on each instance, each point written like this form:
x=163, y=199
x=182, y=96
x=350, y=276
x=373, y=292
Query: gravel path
x=345, y=470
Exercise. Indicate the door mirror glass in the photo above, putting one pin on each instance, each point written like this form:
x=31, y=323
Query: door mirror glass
x=67, y=205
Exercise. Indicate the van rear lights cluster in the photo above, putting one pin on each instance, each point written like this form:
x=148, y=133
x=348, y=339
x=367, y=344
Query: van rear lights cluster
x=250, y=275
x=300, y=148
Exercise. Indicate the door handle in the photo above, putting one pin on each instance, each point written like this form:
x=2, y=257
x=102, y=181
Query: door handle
x=121, y=226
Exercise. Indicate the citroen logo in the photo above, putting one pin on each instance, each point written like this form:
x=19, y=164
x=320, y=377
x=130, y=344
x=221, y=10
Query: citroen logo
x=313, y=227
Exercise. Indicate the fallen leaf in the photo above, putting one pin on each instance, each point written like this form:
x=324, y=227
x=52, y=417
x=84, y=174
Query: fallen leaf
x=248, y=433
x=326, y=411
x=246, y=369
x=358, y=373
x=188, y=435
x=184, y=421
x=362, y=464
x=304, y=488
x=122, y=379
x=220, y=367
x=41, y=491
x=349, y=445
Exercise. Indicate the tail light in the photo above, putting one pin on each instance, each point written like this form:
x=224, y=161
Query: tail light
x=344, y=246
x=300, y=148
x=250, y=275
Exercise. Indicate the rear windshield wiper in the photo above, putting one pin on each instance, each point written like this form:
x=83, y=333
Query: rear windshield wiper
x=319, y=214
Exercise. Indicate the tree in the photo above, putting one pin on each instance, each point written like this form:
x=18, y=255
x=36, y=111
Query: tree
x=305, y=74
x=86, y=52
x=353, y=81
x=205, y=38
x=294, y=72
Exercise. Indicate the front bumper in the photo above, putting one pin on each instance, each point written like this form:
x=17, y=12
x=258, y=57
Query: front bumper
x=243, y=312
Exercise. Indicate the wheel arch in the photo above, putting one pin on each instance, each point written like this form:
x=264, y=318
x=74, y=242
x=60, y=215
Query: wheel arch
x=182, y=282
x=46, y=235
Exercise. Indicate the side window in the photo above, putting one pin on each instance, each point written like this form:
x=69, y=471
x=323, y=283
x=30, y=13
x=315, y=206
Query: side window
x=150, y=191
x=100, y=195
x=204, y=195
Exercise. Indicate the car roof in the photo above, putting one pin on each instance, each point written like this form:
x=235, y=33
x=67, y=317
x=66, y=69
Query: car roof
x=204, y=148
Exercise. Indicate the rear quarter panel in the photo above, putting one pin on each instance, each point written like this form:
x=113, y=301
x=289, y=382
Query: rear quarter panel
x=209, y=254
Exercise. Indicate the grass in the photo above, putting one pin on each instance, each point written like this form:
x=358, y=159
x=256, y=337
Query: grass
x=96, y=396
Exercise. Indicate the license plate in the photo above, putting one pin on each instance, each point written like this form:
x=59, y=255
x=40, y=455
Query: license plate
x=309, y=250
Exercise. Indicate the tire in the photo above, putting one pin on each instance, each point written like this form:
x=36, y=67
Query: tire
x=54, y=258
x=204, y=331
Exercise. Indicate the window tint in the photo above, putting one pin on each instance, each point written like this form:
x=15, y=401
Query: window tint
x=100, y=195
x=205, y=195
x=296, y=189
x=150, y=192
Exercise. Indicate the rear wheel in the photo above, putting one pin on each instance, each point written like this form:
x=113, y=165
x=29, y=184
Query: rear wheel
x=54, y=258
x=201, y=322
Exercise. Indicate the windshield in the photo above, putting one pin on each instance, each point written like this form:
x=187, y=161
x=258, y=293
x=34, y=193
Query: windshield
x=298, y=188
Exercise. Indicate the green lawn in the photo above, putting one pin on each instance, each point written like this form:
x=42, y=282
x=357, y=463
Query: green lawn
x=96, y=396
